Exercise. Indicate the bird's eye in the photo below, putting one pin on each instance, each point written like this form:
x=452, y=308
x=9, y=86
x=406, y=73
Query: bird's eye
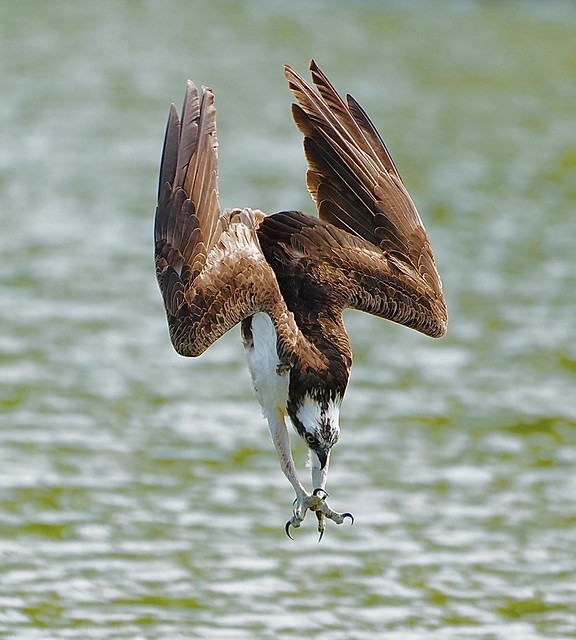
x=310, y=439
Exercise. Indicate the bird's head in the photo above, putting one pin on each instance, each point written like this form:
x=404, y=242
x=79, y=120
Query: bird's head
x=317, y=423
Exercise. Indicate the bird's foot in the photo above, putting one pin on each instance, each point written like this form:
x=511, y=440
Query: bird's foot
x=317, y=503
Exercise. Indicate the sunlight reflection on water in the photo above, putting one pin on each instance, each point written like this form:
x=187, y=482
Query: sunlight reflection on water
x=140, y=493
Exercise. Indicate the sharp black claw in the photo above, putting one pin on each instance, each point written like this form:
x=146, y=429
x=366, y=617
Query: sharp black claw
x=348, y=515
x=321, y=525
x=287, y=529
x=318, y=491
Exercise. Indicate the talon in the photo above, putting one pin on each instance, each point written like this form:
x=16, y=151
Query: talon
x=321, y=524
x=287, y=529
x=318, y=491
x=348, y=515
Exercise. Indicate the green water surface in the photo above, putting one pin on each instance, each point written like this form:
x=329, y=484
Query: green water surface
x=140, y=496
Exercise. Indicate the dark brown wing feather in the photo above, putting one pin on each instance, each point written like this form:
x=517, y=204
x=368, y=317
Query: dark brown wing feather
x=321, y=267
x=210, y=267
x=385, y=255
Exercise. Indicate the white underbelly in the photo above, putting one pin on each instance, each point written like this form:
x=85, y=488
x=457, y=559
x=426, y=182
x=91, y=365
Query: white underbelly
x=270, y=387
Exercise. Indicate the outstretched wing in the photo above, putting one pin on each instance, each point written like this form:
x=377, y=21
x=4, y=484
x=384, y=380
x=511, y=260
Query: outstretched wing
x=210, y=267
x=384, y=255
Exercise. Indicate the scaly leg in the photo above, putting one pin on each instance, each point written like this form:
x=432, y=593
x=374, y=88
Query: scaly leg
x=281, y=441
x=304, y=502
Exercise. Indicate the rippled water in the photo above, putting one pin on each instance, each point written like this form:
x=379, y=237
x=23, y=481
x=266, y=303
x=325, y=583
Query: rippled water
x=139, y=493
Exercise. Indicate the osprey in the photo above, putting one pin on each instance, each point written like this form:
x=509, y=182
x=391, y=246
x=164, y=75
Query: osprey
x=287, y=277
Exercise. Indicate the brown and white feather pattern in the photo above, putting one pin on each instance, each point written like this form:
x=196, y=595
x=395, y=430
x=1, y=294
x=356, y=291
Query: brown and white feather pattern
x=209, y=265
x=384, y=258
x=368, y=251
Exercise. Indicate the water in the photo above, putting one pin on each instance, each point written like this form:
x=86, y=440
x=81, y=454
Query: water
x=139, y=493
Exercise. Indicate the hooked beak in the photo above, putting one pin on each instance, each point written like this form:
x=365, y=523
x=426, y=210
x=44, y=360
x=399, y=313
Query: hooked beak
x=322, y=453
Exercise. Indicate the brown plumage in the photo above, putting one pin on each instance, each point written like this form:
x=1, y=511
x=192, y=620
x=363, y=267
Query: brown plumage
x=368, y=250
x=209, y=265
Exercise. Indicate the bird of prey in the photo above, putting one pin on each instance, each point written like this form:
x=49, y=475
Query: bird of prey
x=287, y=277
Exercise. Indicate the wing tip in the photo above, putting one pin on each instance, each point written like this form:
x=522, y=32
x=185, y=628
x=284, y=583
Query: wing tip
x=441, y=328
x=440, y=319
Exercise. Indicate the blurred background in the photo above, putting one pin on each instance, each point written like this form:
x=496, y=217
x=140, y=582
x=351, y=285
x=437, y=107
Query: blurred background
x=140, y=496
